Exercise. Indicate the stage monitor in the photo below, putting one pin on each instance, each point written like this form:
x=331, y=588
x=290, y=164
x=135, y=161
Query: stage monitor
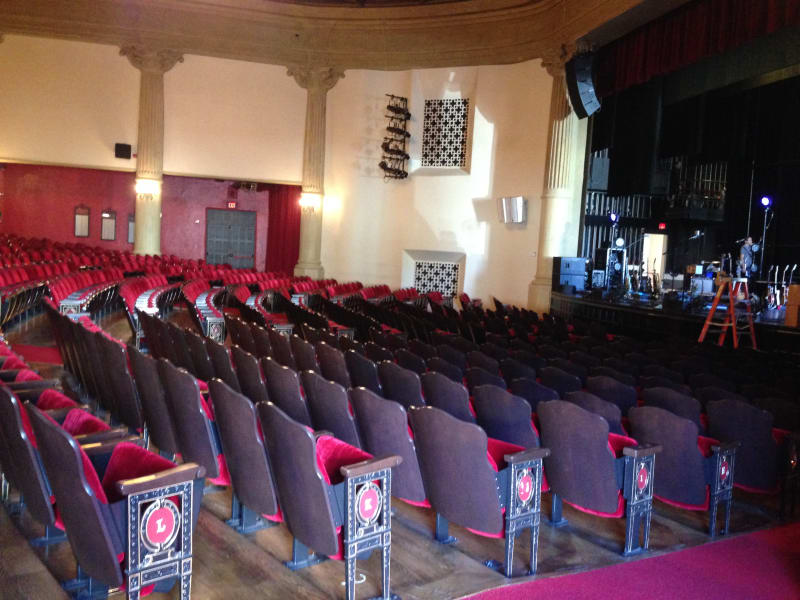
x=580, y=85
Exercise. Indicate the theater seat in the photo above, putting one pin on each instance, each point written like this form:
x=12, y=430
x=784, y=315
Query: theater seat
x=383, y=429
x=447, y=395
x=283, y=388
x=493, y=488
x=400, y=385
x=694, y=472
x=532, y=391
x=316, y=478
x=332, y=364
x=597, y=472
x=330, y=407
x=254, y=501
x=504, y=416
x=594, y=404
x=363, y=372
x=93, y=503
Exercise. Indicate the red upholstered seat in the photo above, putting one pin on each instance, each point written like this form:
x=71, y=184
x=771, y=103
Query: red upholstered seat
x=54, y=400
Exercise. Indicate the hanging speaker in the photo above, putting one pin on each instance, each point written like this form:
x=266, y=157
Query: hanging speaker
x=580, y=85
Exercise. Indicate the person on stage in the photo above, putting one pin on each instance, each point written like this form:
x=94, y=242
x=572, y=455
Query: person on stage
x=746, y=258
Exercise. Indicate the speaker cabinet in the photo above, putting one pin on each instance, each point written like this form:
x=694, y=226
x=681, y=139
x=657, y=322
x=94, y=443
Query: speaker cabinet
x=580, y=85
x=122, y=150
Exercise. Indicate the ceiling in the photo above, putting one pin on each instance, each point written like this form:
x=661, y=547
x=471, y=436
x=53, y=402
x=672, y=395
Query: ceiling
x=349, y=34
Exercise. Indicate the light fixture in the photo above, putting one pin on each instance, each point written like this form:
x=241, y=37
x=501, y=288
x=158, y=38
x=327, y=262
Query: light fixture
x=614, y=217
x=662, y=226
x=150, y=187
x=619, y=242
x=106, y=215
x=766, y=201
x=310, y=202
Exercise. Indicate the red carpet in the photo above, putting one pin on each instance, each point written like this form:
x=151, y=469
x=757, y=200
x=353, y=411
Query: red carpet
x=762, y=565
x=42, y=354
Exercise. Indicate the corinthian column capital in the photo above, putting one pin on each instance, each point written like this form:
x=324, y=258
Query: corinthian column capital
x=554, y=58
x=151, y=60
x=315, y=79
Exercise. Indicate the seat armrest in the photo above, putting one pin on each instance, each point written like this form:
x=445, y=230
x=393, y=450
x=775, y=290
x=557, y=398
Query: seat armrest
x=368, y=466
x=102, y=436
x=34, y=384
x=722, y=447
x=179, y=474
x=107, y=446
x=318, y=434
x=526, y=455
x=641, y=450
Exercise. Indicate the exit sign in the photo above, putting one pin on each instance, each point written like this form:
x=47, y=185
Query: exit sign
x=232, y=204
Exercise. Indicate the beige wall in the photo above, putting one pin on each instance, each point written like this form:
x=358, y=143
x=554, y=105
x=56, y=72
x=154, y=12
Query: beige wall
x=68, y=103
x=368, y=222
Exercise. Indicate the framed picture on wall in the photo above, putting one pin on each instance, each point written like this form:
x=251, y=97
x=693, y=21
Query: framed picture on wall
x=108, y=225
x=131, y=228
x=81, y=221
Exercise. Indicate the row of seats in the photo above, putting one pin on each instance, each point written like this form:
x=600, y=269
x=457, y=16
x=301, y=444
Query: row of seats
x=78, y=477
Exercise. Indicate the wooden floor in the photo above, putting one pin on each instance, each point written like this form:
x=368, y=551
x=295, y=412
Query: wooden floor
x=228, y=565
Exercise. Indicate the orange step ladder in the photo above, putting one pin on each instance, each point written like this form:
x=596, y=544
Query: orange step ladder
x=734, y=286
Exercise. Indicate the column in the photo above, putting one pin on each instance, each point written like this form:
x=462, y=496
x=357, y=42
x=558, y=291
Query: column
x=560, y=216
x=150, y=145
x=316, y=81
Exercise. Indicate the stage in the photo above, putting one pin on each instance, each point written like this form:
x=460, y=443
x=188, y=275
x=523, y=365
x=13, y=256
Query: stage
x=644, y=318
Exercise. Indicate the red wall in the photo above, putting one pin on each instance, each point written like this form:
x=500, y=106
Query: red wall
x=183, y=209
x=39, y=201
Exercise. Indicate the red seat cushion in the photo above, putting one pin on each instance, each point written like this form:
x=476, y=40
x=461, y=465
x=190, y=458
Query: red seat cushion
x=54, y=400
x=27, y=375
x=80, y=422
x=129, y=461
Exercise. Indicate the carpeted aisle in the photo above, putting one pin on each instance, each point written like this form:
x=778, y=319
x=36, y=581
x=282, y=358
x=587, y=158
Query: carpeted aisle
x=761, y=565
x=41, y=354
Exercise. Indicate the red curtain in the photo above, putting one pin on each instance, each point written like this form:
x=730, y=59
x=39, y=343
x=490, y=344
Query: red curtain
x=696, y=30
x=283, y=234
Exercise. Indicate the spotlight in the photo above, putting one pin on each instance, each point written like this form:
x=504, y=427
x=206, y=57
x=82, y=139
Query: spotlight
x=614, y=217
x=766, y=201
x=619, y=242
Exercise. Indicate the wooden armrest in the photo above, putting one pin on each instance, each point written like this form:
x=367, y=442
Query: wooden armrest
x=368, y=466
x=179, y=474
x=321, y=432
x=107, y=446
x=101, y=436
x=716, y=448
x=641, y=450
x=526, y=455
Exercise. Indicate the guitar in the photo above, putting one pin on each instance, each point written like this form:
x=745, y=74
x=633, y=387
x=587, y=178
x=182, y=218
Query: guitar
x=656, y=282
x=770, y=288
x=785, y=284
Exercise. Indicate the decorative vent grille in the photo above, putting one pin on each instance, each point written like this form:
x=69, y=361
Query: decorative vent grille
x=431, y=276
x=444, y=135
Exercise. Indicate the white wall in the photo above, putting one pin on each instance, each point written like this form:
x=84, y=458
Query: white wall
x=67, y=103
x=368, y=222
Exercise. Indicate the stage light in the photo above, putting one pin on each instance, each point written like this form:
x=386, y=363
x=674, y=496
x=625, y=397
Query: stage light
x=662, y=226
x=619, y=242
x=614, y=217
x=766, y=201
x=149, y=187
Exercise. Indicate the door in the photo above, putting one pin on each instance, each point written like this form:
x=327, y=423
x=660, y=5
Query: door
x=231, y=237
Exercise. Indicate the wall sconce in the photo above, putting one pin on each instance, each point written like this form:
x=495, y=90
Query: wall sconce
x=150, y=187
x=310, y=202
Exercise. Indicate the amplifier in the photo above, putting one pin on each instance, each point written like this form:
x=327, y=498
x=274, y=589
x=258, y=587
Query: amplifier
x=569, y=271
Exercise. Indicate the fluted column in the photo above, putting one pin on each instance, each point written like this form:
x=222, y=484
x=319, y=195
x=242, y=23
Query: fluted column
x=559, y=221
x=150, y=145
x=317, y=81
